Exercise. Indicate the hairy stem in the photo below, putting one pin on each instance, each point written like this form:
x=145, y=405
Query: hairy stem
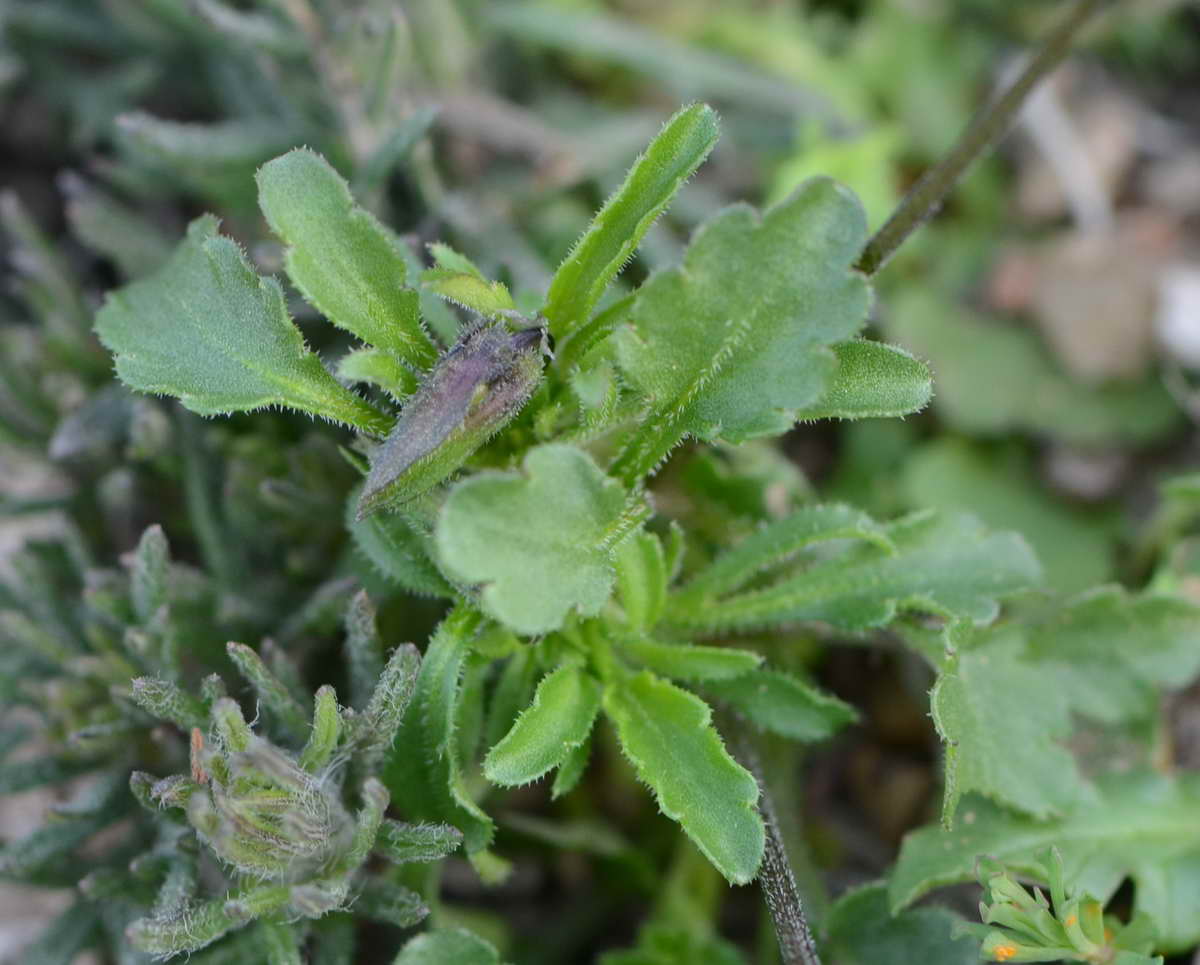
x=988, y=126
x=778, y=884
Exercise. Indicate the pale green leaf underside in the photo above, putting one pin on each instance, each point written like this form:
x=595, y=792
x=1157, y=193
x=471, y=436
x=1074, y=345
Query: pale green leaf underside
x=667, y=734
x=488, y=298
x=208, y=330
x=1141, y=825
x=376, y=367
x=557, y=722
x=941, y=563
x=736, y=342
x=617, y=229
x=539, y=542
x=873, y=380
x=346, y=264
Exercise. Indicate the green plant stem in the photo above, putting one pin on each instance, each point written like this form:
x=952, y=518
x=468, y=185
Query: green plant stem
x=796, y=943
x=988, y=126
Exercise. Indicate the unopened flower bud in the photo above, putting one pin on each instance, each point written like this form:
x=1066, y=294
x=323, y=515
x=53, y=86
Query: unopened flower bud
x=471, y=394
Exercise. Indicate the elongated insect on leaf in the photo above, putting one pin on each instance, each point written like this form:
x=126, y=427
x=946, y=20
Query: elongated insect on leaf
x=472, y=393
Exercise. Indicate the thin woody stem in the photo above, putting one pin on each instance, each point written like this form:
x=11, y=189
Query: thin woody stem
x=988, y=126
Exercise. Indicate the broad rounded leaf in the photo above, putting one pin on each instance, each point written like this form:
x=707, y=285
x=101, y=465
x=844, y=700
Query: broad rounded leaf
x=736, y=342
x=451, y=946
x=540, y=541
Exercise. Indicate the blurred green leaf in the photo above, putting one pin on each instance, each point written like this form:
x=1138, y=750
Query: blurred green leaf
x=783, y=704
x=861, y=929
x=872, y=381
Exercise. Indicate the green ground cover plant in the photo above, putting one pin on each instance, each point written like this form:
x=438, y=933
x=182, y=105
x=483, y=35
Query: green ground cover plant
x=518, y=558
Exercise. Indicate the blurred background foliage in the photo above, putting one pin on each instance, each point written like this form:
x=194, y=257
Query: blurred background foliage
x=1057, y=298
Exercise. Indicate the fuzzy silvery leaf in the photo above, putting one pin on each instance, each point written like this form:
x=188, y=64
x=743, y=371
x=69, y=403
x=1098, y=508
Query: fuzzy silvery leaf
x=207, y=329
x=618, y=227
x=539, y=542
x=736, y=343
x=475, y=389
x=346, y=264
x=667, y=734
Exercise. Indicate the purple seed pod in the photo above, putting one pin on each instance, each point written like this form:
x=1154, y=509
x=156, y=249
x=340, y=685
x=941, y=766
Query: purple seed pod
x=475, y=389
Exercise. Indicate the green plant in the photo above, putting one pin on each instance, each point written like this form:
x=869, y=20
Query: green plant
x=573, y=491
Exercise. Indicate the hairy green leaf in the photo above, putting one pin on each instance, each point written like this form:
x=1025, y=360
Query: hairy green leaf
x=377, y=367
x=346, y=263
x=779, y=703
x=736, y=342
x=680, y=147
x=691, y=662
x=860, y=929
x=559, y=720
x=540, y=542
x=207, y=329
x=941, y=563
x=455, y=946
x=1102, y=655
x=776, y=542
x=642, y=579
x=396, y=548
x=458, y=280
x=1141, y=826
x=423, y=772
x=667, y=734
x=872, y=380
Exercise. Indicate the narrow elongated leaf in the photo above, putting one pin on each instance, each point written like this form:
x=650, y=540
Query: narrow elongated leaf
x=775, y=542
x=687, y=661
x=942, y=563
x=642, y=579
x=346, y=263
x=423, y=772
x=416, y=842
x=1141, y=826
x=873, y=380
x=764, y=298
x=539, y=542
x=377, y=367
x=458, y=280
x=667, y=734
x=559, y=720
x=208, y=330
x=777, y=702
x=680, y=147
x=396, y=549
x=149, y=574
